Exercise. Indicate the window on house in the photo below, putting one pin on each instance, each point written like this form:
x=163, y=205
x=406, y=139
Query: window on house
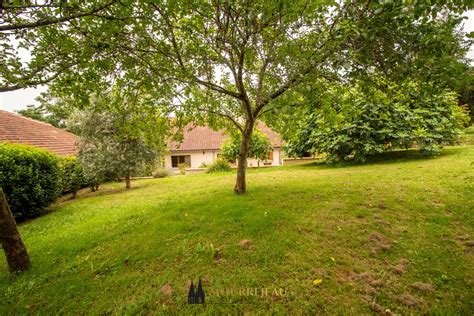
x=270, y=155
x=177, y=160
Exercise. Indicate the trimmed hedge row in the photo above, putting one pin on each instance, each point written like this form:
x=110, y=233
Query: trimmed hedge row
x=33, y=178
x=30, y=178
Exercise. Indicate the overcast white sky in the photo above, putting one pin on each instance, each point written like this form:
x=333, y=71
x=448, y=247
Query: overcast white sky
x=17, y=100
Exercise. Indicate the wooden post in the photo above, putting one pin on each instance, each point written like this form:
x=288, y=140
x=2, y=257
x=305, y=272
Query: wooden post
x=15, y=250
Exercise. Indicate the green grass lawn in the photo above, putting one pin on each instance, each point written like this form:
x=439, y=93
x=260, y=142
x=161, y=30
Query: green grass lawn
x=395, y=234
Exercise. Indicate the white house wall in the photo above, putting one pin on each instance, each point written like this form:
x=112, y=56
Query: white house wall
x=197, y=157
x=275, y=162
x=209, y=156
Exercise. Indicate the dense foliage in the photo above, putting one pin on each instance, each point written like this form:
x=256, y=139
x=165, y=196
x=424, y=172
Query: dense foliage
x=72, y=175
x=260, y=146
x=220, y=165
x=50, y=109
x=30, y=178
x=116, y=144
x=20, y=23
x=356, y=124
x=37, y=113
x=465, y=90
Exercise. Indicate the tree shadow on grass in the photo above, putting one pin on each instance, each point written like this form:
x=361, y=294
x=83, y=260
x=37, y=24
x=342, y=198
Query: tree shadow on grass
x=85, y=193
x=390, y=157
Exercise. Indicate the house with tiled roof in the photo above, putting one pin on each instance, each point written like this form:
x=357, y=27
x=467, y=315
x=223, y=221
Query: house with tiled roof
x=17, y=129
x=201, y=146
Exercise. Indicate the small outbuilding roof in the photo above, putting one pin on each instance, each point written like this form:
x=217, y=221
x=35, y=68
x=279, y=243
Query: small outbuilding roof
x=18, y=129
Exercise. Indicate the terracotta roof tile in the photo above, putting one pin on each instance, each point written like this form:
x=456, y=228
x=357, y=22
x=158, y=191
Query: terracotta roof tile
x=18, y=129
x=205, y=138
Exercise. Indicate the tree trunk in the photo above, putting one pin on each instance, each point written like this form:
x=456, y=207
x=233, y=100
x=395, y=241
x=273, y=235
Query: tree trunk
x=15, y=250
x=240, y=184
x=127, y=181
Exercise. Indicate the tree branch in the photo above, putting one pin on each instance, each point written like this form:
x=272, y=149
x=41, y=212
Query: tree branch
x=11, y=27
x=241, y=129
x=218, y=88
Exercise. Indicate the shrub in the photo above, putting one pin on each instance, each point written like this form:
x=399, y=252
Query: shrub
x=72, y=175
x=147, y=169
x=182, y=168
x=117, y=144
x=161, y=173
x=30, y=178
x=220, y=165
x=356, y=125
x=260, y=146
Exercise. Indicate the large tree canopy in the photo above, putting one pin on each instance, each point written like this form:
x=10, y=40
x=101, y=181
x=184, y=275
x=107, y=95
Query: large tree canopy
x=350, y=124
x=23, y=62
x=241, y=60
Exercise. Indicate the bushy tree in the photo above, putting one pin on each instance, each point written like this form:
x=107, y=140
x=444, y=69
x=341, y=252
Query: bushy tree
x=259, y=147
x=72, y=175
x=356, y=124
x=115, y=143
x=465, y=90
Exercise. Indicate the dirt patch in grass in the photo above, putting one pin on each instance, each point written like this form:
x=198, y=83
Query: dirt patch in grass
x=379, y=309
x=245, y=243
x=217, y=255
x=378, y=243
x=382, y=206
x=408, y=300
x=381, y=222
x=320, y=273
x=401, y=267
x=377, y=283
x=365, y=277
x=422, y=287
x=167, y=290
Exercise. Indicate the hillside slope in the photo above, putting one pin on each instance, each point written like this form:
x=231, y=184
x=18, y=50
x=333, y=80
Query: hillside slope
x=393, y=234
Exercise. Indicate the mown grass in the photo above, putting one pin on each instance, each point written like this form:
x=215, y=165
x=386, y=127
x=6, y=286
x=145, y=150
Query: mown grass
x=393, y=234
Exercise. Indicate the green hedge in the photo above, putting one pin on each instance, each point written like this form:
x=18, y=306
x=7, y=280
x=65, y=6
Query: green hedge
x=30, y=178
x=72, y=175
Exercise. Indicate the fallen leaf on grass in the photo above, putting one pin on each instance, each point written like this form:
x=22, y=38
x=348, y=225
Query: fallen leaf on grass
x=317, y=281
